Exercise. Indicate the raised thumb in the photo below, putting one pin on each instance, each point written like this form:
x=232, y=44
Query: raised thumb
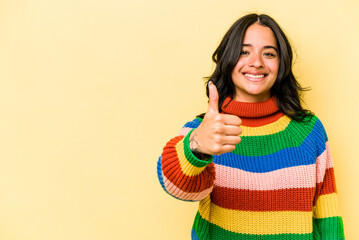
x=213, y=98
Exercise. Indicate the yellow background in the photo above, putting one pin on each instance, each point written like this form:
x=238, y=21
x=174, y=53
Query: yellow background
x=90, y=91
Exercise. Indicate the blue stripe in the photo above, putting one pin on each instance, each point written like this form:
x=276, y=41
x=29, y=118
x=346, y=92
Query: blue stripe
x=159, y=173
x=194, y=235
x=305, y=154
x=193, y=124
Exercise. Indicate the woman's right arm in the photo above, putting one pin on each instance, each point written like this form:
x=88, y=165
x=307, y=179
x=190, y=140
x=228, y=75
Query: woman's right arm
x=180, y=172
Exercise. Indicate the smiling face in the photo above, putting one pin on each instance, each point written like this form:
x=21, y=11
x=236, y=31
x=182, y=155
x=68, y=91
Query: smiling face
x=257, y=67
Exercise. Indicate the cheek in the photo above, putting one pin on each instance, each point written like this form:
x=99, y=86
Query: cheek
x=274, y=67
x=238, y=67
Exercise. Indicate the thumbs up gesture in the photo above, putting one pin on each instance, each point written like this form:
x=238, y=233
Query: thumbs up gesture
x=218, y=133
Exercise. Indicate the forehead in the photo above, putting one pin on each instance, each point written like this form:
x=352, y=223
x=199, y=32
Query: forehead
x=259, y=35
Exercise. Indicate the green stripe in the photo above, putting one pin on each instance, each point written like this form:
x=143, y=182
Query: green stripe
x=268, y=144
x=206, y=231
x=329, y=228
x=192, y=158
x=200, y=119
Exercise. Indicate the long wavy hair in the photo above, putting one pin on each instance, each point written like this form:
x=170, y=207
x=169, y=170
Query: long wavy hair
x=286, y=88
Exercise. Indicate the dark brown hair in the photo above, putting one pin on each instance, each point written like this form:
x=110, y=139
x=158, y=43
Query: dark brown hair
x=286, y=88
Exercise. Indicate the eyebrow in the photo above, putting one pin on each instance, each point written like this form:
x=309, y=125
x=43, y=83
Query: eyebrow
x=266, y=47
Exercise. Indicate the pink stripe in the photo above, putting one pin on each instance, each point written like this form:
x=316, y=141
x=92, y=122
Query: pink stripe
x=184, y=131
x=175, y=191
x=292, y=177
x=329, y=154
x=324, y=162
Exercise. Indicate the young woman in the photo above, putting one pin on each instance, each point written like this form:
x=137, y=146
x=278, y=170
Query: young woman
x=257, y=162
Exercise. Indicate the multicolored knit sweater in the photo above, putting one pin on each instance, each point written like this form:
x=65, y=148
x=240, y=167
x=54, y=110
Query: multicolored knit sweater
x=277, y=184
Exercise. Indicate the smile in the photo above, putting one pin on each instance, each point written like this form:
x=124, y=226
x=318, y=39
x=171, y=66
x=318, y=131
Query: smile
x=254, y=77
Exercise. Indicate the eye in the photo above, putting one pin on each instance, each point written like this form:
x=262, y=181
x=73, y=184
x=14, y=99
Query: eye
x=269, y=54
x=244, y=52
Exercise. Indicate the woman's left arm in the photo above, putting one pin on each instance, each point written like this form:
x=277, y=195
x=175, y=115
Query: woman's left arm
x=328, y=223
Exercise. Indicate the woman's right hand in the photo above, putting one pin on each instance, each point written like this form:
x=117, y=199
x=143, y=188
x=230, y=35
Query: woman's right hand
x=218, y=133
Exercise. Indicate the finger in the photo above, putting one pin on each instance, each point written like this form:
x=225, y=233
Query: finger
x=231, y=140
x=231, y=120
x=213, y=98
x=227, y=148
x=231, y=130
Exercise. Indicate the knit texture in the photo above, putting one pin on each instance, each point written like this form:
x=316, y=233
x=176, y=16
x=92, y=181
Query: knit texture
x=277, y=184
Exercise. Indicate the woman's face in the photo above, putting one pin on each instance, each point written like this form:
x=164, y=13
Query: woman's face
x=257, y=67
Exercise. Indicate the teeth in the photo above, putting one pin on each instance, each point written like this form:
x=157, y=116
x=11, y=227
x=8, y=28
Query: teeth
x=254, y=76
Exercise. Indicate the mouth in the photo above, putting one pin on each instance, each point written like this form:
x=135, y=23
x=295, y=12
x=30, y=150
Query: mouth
x=254, y=77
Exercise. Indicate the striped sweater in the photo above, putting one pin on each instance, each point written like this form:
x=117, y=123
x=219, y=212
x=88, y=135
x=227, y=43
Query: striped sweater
x=277, y=184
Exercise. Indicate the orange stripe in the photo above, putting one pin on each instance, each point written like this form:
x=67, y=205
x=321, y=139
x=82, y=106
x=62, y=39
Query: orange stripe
x=327, y=186
x=175, y=191
x=171, y=169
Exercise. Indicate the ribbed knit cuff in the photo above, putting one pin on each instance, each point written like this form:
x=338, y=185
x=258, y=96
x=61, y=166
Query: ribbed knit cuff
x=191, y=157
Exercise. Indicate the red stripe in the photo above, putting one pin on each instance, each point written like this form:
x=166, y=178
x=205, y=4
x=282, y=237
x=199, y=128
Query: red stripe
x=294, y=199
x=328, y=185
x=257, y=122
x=171, y=169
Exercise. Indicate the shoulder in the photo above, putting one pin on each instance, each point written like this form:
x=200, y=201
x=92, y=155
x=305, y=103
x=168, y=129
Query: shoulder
x=313, y=127
x=309, y=121
x=318, y=126
x=188, y=126
x=194, y=123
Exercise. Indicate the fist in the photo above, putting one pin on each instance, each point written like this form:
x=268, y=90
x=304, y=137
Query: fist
x=218, y=133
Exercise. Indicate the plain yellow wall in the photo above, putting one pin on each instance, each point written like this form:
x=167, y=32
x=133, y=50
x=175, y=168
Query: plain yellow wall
x=90, y=91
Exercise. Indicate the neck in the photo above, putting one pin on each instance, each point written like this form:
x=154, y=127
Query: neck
x=251, y=99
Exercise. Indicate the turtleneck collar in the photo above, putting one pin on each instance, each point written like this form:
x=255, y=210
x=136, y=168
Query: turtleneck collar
x=253, y=114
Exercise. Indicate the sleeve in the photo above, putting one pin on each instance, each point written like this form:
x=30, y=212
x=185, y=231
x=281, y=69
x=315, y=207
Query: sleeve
x=180, y=172
x=327, y=222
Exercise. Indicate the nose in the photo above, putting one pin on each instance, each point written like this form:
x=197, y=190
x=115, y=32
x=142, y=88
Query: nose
x=256, y=61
